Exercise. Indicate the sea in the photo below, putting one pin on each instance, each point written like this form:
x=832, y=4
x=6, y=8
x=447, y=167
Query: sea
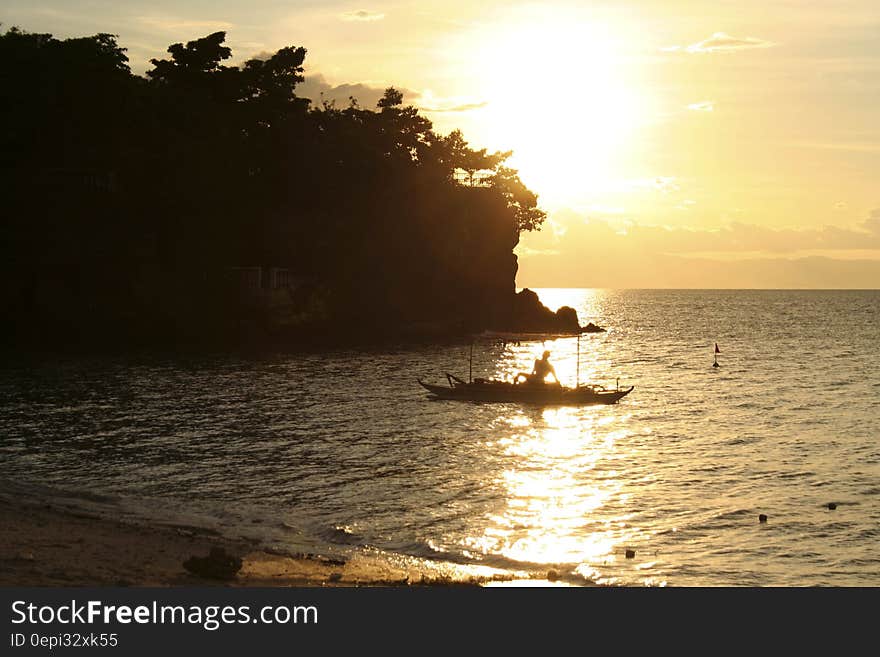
x=342, y=452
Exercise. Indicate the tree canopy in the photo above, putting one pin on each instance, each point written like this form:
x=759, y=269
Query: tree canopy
x=202, y=165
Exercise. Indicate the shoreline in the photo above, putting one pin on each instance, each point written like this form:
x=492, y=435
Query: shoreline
x=226, y=331
x=44, y=545
x=39, y=345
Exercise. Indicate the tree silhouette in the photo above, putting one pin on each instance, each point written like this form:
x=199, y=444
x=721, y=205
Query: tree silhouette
x=192, y=63
x=520, y=199
x=150, y=188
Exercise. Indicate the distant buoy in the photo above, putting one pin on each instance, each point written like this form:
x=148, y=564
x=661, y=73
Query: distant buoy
x=630, y=554
x=762, y=518
x=832, y=506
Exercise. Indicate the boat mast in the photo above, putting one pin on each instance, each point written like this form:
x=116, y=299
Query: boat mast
x=577, y=375
x=471, y=364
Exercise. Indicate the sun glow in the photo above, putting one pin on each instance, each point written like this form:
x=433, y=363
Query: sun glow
x=559, y=95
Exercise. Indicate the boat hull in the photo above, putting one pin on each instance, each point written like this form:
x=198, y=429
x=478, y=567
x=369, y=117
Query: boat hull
x=499, y=391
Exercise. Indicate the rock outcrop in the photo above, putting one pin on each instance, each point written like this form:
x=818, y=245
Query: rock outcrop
x=217, y=565
x=531, y=316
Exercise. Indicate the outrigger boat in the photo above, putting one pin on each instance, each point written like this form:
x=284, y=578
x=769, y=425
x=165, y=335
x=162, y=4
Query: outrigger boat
x=492, y=390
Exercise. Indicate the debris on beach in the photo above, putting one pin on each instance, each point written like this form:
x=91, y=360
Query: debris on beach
x=217, y=565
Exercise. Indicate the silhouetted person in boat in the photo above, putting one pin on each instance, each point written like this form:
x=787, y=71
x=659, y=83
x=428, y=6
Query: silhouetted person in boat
x=543, y=368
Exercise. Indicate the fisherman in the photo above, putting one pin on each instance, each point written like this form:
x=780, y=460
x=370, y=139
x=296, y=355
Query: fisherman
x=542, y=369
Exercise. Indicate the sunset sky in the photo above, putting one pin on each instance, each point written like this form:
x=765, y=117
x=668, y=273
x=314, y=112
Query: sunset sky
x=673, y=143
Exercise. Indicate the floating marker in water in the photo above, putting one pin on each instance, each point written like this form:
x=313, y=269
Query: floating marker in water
x=762, y=518
x=832, y=506
x=630, y=554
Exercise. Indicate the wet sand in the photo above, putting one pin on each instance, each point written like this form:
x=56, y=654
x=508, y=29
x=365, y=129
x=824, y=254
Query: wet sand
x=43, y=545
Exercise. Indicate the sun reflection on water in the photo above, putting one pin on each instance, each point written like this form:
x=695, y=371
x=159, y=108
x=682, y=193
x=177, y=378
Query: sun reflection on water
x=562, y=471
x=559, y=479
x=575, y=361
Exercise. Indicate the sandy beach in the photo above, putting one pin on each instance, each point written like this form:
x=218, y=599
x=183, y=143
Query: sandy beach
x=43, y=545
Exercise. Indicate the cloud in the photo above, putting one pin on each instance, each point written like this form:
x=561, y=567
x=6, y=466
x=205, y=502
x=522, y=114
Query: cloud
x=872, y=224
x=362, y=15
x=750, y=238
x=594, y=253
x=852, y=147
x=702, y=106
x=429, y=103
x=318, y=89
x=464, y=107
x=722, y=42
x=664, y=184
x=674, y=272
x=735, y=237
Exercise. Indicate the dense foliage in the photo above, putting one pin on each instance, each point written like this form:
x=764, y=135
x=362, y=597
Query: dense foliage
x=126, y=197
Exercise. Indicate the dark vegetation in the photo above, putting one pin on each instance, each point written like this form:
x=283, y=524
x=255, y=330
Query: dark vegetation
x=209, y=203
